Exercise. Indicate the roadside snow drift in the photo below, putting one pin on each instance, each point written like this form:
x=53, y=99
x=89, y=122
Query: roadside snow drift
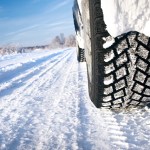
x=122, y=16
x=44, y=104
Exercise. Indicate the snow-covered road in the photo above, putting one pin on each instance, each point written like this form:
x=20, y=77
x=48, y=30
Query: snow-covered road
x=44, y=105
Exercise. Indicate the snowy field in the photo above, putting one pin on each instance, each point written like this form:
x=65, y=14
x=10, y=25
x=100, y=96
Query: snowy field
x=44, y=105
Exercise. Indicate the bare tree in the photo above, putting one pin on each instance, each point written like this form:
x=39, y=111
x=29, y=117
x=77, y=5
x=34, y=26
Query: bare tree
x=9, y=49
x=62, y=41
x=70, y=41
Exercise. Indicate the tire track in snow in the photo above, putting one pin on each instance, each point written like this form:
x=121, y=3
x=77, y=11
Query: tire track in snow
x=10, y=74
x=92, y=134
x=15, y=112
x=42, y=131
x=63, y=119
x=33, y=79
x=135, y=125
x=128, y=129
x=115, y=130
x=17, y=81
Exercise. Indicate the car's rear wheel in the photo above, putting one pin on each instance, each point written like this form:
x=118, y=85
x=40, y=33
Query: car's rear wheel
x=80, y=54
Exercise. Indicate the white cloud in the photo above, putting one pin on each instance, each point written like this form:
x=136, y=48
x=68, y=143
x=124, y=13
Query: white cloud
x=22, y=30
x=50, y=25
x=61, y=4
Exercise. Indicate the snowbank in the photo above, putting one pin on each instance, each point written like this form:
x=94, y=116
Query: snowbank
x=128, y=15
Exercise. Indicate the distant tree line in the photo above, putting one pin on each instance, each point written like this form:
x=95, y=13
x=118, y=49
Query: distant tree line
x=9, y=49
x=59, y=41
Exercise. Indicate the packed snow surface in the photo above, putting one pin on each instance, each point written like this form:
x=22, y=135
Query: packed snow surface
x=122, y=16
x=44, y=104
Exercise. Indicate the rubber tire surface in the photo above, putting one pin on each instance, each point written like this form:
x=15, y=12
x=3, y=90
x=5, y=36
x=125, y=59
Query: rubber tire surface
x=120, y=75
x=127, y=71
x=81, y=55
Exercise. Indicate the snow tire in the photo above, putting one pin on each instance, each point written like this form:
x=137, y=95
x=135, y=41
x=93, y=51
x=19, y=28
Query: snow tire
x=120, y=75
x=81, y=55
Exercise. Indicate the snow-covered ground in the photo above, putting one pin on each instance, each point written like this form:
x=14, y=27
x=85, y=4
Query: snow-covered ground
x=44, y=104
x=128, y=15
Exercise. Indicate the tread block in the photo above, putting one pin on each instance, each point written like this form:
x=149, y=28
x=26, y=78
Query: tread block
x=121, y=73
x=110, y=68
x=108, y=90
x=121, y=84
x=141, y=65
x=122, y=46
x=109, y=56
x=108, y=80
x=122, y=60
x=143, y=52
x=139, y=76
x=119, y=94
x=127, y=71
x=142, y=38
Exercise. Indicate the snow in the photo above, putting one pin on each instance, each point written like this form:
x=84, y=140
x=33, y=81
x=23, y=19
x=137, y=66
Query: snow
x=44, y=104
x=80, y=5
x=108, y=42
x=128, y=15
x=79, y=38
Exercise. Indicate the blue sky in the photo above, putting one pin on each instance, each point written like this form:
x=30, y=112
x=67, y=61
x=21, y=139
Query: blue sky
x=34, y=22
